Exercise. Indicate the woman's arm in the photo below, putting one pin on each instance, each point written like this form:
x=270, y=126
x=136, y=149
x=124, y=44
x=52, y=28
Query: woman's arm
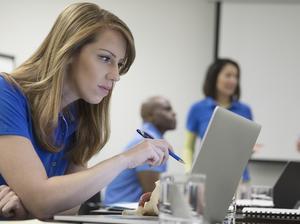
x=43, y=197
x=189, y=148
x=12, y=207
x=72, y=168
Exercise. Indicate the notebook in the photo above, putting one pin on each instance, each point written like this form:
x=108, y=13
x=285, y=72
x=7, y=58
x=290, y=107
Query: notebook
x=224, y=152
x=271, y=214
x=254, y=203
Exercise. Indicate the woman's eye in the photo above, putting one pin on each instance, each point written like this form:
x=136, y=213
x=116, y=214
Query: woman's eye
x=104, y=58
x=228, y=75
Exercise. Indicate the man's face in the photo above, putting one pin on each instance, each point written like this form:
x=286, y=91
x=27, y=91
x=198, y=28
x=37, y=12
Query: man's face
x=163, y=115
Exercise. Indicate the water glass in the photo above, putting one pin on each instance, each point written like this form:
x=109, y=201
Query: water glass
x=182, y=199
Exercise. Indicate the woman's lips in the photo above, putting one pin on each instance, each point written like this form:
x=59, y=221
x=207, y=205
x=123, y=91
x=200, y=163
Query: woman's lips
x=104, y=89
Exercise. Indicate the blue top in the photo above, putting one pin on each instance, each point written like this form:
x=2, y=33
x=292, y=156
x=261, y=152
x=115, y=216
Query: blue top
x=201, y=112
x=126, y=187
x=15, y=119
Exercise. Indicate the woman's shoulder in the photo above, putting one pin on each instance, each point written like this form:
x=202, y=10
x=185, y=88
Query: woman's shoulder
x=243, y=106
x=5, y=84
x=10, y=91
x=203, y=103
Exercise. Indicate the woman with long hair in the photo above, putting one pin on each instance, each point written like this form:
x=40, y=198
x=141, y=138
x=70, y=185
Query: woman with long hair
x=54, y=116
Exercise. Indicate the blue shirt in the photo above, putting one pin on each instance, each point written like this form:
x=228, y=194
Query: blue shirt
x=15, y=119
x=201, y=112
x=126, y=186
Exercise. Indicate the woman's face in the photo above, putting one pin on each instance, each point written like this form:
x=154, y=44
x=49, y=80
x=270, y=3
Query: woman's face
x=227, y=80
x=95, y=69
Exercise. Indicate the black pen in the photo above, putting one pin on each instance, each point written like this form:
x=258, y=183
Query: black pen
x=171, y=153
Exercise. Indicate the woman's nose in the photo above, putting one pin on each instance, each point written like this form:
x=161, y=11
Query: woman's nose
x=114, y=74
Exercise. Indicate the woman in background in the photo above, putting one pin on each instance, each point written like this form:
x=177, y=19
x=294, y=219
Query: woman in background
x=221, y=88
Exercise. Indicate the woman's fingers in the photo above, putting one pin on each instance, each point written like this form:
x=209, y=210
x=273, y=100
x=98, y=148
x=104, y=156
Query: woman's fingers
x=8, y=209
x=153, y=158
x=161, y=158
x=161, y=148
x=163, y=151
x=151, y=151
x=4, y=190
x=5, y=200
x=166, y=152
x=166, y=156
x=158, y=154
x=11, y=206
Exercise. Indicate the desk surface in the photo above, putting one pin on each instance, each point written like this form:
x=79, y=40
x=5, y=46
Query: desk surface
x=133, y=220
x=154, y=220
x=31, y=221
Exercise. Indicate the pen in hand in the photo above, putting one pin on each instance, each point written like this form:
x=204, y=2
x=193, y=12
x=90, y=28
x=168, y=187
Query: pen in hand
x=171, y=153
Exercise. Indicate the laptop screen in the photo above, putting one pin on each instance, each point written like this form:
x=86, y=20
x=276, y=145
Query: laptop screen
x=224, y=152
x=286, y=192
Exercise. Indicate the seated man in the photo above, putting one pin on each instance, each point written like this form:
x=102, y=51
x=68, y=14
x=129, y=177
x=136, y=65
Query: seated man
x=158, y=117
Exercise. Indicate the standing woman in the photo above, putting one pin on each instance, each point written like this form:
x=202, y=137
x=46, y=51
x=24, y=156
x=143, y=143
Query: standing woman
x=221, y=88
x=54, y=116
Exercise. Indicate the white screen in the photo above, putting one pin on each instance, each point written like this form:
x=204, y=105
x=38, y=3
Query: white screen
x=265, y=39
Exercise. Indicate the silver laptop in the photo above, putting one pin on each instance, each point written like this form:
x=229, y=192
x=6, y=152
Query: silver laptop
x=225, y=150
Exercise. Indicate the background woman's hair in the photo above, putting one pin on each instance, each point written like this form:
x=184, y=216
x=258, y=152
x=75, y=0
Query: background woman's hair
x=212, y=74
x=41, y=79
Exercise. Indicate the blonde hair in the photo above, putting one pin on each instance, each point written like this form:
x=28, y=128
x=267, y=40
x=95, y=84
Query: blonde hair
x=41, y=79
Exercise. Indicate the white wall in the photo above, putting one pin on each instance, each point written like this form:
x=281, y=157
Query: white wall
x=264, y=39
x=174, y=41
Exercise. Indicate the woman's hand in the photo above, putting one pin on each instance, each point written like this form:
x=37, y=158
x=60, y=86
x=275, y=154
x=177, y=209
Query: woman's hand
x=152, y=151
x=11, y=205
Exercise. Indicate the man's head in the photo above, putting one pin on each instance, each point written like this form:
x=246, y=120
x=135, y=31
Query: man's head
x=158, y=111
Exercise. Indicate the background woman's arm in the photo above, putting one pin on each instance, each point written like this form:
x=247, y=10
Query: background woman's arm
x=189, y=148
